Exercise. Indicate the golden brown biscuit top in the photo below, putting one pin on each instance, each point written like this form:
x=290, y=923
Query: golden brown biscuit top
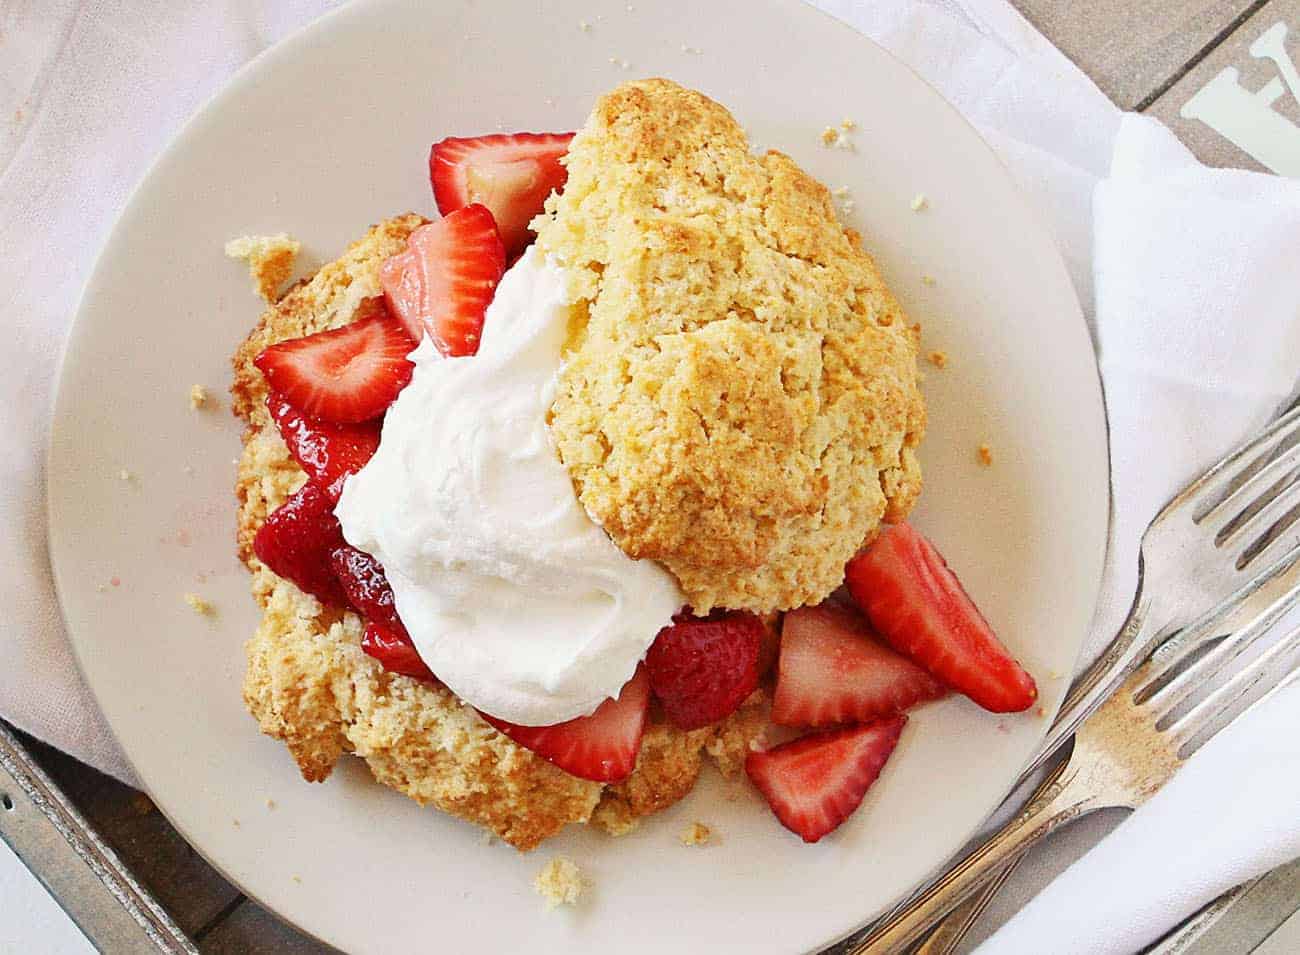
x=740, y=399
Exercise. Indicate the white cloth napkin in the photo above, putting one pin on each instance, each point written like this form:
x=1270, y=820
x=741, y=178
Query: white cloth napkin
x=1187, y=276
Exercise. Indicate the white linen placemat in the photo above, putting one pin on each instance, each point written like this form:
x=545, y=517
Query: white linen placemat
x=1186, y=275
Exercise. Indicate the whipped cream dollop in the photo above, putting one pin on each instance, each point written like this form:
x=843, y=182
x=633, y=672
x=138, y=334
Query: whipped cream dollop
x=513, y=596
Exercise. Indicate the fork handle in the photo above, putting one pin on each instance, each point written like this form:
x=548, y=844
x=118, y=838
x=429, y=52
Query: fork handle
x=1063, y=796
x=1135, y=639
x=952, y=928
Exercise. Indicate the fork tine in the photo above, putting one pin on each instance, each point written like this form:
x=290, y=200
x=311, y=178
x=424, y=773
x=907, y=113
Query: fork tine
x=1169, y=692
x=1276, y=666
x=1276, y=533
x=1276, y=470
x=1234, y=613
x=1218, y=483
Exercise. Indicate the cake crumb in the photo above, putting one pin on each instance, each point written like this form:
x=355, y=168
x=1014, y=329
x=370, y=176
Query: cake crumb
x=927, y=280
x=560, y=882
x=938, y=359
x=235, y=823
x=830, y=136
x=1055, y=675
x=270, y=804
x=200, y=606
x=100, y=588
x=198, y=397
x=584, y=26
x=270, y=261
x=985, y=455
x=297, y=878
x=696, y=834
x=124, y=475
x=1041, y=712
x=920, y=202
x=848, y=125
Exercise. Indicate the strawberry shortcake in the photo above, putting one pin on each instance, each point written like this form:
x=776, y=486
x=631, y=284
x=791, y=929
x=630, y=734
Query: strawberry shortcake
x=599, y=475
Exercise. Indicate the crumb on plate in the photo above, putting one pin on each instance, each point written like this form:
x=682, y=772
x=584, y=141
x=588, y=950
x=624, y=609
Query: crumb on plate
x=270, y=261
x=984, y=454
x=198, y=396
x=938, y=359
x=927, y=280
x=560, y=882
x=920, y=202
x=199, y=605
x=696, y=834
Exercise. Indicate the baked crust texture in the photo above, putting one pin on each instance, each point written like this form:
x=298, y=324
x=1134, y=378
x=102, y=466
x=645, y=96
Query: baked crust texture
x=309, y=684
x=740, y=399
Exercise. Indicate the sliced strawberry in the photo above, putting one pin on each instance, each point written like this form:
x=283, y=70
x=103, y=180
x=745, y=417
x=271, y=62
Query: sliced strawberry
x=702, y=668
x=919, y=606
x=832, y=670
x=367, y=587
x=510, y=173
x=296, y=542
x=603, y=746
x=344, y=376
x=395, y=651
x=443, y=282
x=815, y=782
x=328, y=452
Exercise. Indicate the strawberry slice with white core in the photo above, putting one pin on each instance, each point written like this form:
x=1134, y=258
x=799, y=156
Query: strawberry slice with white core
x=347, y=375
x=917, y=604
x=510, y=173
x=601, y=747
x=442, y=284
x=815, y=782
x=833, y=670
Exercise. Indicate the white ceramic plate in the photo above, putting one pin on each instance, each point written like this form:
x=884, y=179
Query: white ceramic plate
x=329, y=132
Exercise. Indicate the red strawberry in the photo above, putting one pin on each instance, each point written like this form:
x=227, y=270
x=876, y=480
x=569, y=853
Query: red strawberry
x=366, y=587
x=346, y=375
x=296, y=542
x=701, y=669
x=395, y=651
x=510, y=173
x=443, y=282
x=327, y=452
x=832, y=670
x=919, y=606
x=602, y=746
x=815, y=782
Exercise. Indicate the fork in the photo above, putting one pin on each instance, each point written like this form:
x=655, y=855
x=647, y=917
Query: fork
x=1123, y=754
x=1205, y=568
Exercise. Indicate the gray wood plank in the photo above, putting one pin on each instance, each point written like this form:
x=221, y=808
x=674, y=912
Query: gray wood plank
x=252, y=930
x=183, y=883
x=1131, y=49
x=1194, y=105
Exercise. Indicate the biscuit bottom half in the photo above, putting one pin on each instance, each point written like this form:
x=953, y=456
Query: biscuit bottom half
x=309, y=684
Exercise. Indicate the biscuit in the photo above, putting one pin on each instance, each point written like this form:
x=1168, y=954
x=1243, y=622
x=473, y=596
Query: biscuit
x=309, y=683
x=740, y=396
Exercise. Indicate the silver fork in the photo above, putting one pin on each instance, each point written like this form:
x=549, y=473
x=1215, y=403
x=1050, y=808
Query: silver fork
x=1218, y=554
x=1123, y=754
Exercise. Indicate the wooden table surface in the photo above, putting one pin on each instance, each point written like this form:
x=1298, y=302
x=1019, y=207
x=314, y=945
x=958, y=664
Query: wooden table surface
x=1148, y=56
